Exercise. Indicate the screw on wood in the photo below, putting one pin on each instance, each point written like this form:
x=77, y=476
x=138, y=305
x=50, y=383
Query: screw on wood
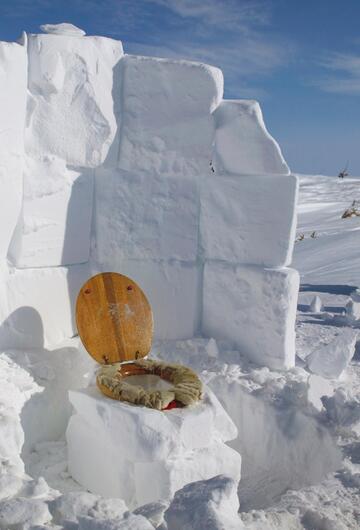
x=129, y=288
x=106, y=359
x=87, y=291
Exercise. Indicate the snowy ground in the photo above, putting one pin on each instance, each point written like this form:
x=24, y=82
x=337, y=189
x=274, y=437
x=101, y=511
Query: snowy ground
x=299, y=433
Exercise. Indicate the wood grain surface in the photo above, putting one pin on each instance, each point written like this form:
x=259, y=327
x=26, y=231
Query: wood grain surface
x=114, y=318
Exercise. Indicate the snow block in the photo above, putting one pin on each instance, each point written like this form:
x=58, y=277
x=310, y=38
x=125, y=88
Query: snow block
x=214, y=501
x=13, y=84
x=331, y=360
x=172, y=474
x=167, y=127
x=173, y=290
x=54, y=227
x=145, y=217
x=38, y=305
x=254, y=308
x=243, y=146
x=138, y=446
x=251, y=220
x=70, y=106
x=144, y=434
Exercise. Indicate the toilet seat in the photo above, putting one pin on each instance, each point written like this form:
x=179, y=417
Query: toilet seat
x=115, y=323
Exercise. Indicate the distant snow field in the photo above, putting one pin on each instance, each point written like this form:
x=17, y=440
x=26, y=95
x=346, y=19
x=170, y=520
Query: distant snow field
x=138, y=165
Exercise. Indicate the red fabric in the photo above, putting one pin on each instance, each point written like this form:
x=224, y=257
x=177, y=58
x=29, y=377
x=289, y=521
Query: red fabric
x=173, y=405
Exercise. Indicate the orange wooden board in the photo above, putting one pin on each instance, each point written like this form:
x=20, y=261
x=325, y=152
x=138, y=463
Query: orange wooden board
x=114, y=318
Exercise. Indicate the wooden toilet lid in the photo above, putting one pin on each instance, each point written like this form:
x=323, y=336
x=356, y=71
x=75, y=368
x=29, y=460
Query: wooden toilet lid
x=114, y=318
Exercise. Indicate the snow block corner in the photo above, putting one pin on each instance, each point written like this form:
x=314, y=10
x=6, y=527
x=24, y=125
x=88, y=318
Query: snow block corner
x=254, y=308
x=158, y=93
x=249, y=220
x=243, y=146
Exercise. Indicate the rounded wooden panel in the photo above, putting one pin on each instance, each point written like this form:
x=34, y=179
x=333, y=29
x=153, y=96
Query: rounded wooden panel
x=114, y=318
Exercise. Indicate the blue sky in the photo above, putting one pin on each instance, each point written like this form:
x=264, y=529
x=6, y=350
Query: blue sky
x=300, y=59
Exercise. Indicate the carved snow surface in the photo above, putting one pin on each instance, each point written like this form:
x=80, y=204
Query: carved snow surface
x=54, y=228
x=167, y=125
x=243, y=146
x=70, y=110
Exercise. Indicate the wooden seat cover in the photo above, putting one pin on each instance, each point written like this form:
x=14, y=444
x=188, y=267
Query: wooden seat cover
x=114, y=318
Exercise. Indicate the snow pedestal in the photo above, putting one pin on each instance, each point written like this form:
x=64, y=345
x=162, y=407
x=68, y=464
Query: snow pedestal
x=142, y=455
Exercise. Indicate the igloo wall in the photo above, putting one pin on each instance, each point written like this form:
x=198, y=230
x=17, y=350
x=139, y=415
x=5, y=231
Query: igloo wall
x=138, y=165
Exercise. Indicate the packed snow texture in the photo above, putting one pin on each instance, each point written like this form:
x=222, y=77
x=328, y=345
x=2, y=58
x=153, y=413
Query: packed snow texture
x=243, y=146
x=234, y=220
x=135, y=445
x=144, y=217
x=167, y=126
x=254, y=308
x=13, y=84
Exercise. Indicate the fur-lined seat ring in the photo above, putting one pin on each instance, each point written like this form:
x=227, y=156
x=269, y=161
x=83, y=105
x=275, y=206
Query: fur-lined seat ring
x=186, y=389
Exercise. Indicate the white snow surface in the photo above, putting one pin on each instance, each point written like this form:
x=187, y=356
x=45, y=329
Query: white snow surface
x=13, y=83
x=74, y=110
x=254, y=308
x=234, y=217
x=159, y=93
x=243, y=146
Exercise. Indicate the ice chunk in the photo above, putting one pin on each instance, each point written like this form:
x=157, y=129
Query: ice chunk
x=214, y=501
x=54, y=227
x=243, y=146
x=141, y=217
x=145, y=434
x=254, y=308
x=316, y=305
x=167, y=126
x=13, y=84
x=38, y=305
x=63, y=29
x=70, y=108
x=251, y=220
x=331, y=360
x=173, y=290
x=169, y=475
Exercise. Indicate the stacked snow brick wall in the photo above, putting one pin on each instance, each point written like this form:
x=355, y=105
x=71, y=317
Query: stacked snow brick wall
x=138, y=165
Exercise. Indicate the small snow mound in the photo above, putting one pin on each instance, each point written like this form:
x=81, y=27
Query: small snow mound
x=211, y=504
x=65, y=28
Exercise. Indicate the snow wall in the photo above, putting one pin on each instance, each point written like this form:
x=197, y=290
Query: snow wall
x=138, y=165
